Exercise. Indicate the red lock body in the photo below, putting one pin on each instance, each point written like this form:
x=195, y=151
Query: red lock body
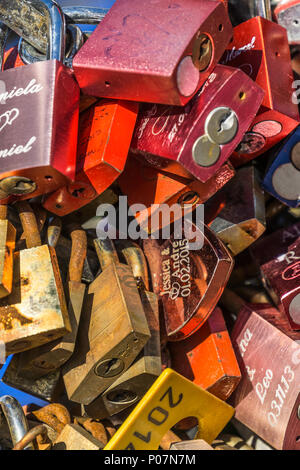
x=207, y=358
x=105, y=132
x=167, y=136
x=260, y=48
x=267, y=399
x=146, y=50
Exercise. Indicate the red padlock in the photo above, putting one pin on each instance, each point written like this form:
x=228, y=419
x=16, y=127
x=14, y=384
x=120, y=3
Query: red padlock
x=198, y=139
x=150, y=187
x=189, y=282
x=153, y=51
x=267, y=400
x=207, y=358
x=260, y=48
x=105, y=132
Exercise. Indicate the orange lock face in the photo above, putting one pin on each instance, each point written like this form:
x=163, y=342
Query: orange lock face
x=260, y=48
x=148, y=186
x=207, y=358
x=105, y=132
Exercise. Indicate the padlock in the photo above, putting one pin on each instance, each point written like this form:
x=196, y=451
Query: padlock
x=287, y=14
x=112, y=332
x=7, y=247
x=15, y=418
x=36, y=98
x=170, y=399
x=39, y=362
x=189, y=282
x=173, y=49
x=132, y=385
x=198, y=139
x=150, y=187
x=260, y=48
x=282, y=178
x=281, y=277
x=220, y=374
x=195, y=444
x=74, y=437
x=105, y=132
x=31, y=436
x=267, y=399
x=242, y=219
x=35, y=312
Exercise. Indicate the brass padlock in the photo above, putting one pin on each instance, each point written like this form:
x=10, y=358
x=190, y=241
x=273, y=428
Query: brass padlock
x=35, y=312
x=7, y=246
x=39, y=362
x=134, y=383
x=74, y=437
x=112, y=332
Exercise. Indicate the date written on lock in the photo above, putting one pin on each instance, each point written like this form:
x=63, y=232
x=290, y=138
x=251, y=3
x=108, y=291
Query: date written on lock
x=197, y=139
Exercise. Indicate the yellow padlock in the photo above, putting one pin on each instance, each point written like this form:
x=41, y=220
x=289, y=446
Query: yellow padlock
x=170, y=399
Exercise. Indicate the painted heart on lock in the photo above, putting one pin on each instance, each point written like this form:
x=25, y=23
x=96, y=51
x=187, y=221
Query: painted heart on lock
x=9, y=117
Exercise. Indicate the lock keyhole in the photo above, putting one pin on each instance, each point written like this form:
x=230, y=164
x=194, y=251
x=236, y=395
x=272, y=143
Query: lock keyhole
x=110, y=367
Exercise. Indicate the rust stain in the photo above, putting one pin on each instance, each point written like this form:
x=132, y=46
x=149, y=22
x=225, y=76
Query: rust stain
x=10, y=313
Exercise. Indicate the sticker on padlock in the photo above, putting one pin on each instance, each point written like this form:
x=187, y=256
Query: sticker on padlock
x=281, y=277
x=260, y=48
x=189, y=282
x=35, y=312
x=282, y=178
x=134, y=383
x=287, y=14
x=198, y=139
x=112, y=331
x=173, y=49
x=220, y=374
x=105, y=132
x=7, y=247
x=267, y=399
x=242, y=219
x=170, y=399
x=150, y=187
x=42, y=102
x=40, y=361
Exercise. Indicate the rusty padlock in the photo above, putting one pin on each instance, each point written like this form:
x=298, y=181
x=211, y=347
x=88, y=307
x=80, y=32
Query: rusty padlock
x=7, y=247
x=267, y=399
x=35, y=312
x=241, y=221
x=39, y=362
x=151, y=187
x=112, y=332
x=173, y=49
x=189, y=282
x=220, y=374
x=132, y=385
x=282, y=178
x=105, y=132
x=74, y=437
x=260, y=48
x=35, y=99
x=199, y=138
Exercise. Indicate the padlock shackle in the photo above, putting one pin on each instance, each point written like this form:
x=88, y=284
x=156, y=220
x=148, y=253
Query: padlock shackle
x=78, y=254
x=29, y=224
x=56, y=29
x=263, y=8
x=135, y=258
x=15, y=418
x=54, y=231
x=31, y=435
x=106, y=252
x=54, y=415
x=4, y=31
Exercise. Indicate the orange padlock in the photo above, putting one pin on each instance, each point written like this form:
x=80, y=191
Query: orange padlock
x=207, y=358
x=105, y=132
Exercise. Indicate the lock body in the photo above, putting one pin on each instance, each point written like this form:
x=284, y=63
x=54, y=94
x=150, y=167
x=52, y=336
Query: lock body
x=35, y=312
x=220, y=374
x=7, y=246
x=74, y=437
x=105, y=132
x=202, y=135
x=260, y=48
x=242, y=219
x=282, y=178
x=189, y=282
x=267, y=399
x=112, y=332
x=287, y=14
x=169, y=57
x=39, y=118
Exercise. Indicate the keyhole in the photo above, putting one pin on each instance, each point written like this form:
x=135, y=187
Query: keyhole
x=225, y=123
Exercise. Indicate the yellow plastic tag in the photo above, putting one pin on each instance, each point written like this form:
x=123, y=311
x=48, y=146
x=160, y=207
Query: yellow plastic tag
x=170, y=399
